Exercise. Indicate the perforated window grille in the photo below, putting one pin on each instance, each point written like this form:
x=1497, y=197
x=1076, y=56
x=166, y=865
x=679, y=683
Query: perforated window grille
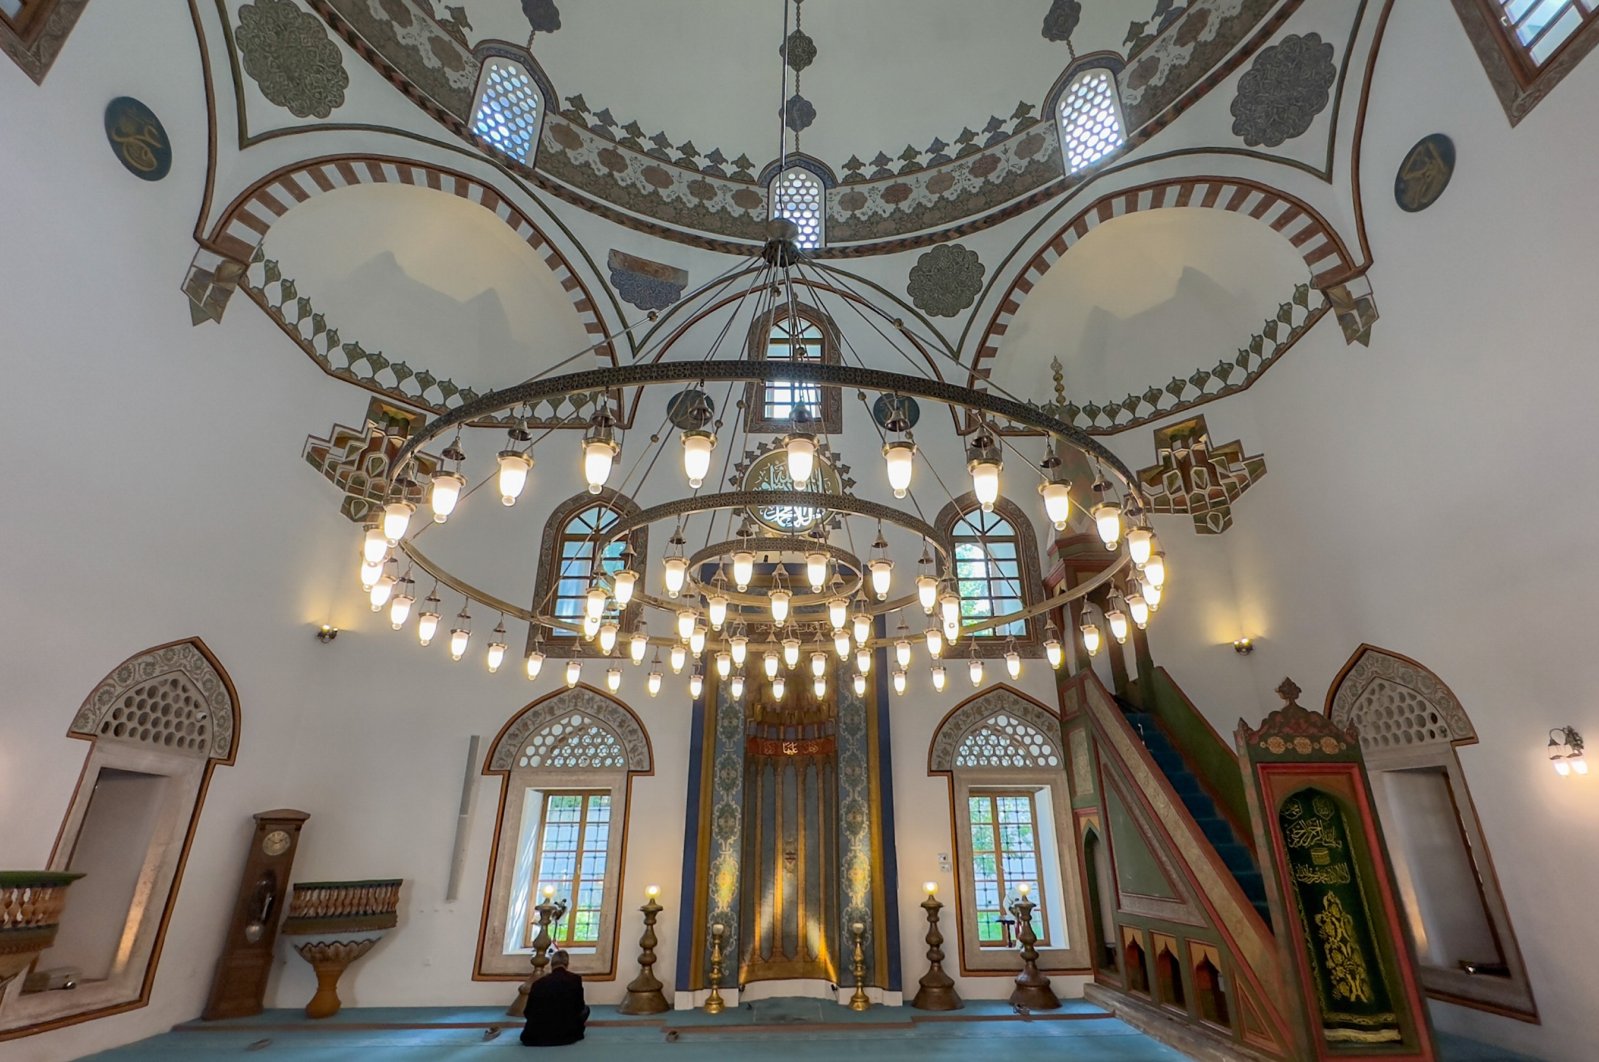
x=1005, y=741
x=573, y=742
x=1392, y=716
x=1540, y=27
x=797, y=195
x=508, y=108
x=166, y=712
x=1090, y=119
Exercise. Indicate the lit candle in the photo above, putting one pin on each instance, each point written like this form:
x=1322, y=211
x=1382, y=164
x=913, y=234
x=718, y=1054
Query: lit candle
x=652, y=892
x=1024, y=889
x=549, y=890
x=930, y=886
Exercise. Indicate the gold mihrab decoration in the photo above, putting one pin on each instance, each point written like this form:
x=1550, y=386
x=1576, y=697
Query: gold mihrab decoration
x=1193, y=476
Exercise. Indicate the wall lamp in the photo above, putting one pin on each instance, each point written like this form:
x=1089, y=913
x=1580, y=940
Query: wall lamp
x=1243, y=646
x=1565, y=751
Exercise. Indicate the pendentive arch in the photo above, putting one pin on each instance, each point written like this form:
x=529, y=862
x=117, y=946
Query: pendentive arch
x=1317, y=242
x=250, y=216
x=971, y=714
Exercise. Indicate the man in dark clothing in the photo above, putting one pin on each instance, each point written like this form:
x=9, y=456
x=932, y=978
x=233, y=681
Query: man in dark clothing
x=556, y=1012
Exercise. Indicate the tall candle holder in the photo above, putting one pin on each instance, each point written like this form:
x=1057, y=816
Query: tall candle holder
x=937, y=991
x=860, y=1000
x=644, y=995
x=550, y=911
x=1032, y=987
x=714, y=1004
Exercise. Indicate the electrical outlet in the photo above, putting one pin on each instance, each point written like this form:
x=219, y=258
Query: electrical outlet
x=943, y=862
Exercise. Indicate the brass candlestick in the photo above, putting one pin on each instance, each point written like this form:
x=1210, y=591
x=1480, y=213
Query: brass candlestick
x=860, y=1000
x=644, y=994
x=1032, y=988
x=549, y=913
x=937, y=991
x=713, y=1002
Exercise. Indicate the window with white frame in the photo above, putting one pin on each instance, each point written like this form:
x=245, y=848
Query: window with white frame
x=568, y=761
x=798, y=195
x=1538, y=28
x=988, y=573
x=508, y=109
x=1089, y=117
x=576, y=549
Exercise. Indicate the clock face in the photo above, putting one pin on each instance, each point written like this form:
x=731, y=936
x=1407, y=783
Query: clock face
x=275, y=843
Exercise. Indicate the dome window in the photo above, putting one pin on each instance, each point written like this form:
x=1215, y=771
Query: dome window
x=1089, y=117
x=509, y=109
x=797, y=194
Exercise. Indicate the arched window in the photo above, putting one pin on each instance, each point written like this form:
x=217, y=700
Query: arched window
x=1088, y=114
x=996, y=566
x=799, y=195
x=797, y=333
x=575, y=550
x=1002, y=753
x=1410, y=724
x=568, y=760
x=509, y=108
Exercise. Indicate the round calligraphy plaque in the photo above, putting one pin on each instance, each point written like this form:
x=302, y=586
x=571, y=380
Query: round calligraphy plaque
x=138, y=139
x=1425, y=173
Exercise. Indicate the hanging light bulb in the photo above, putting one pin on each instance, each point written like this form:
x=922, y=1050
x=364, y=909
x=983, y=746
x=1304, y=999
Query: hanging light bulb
x=653, y=683
x=800, y=448
x=841, y=644
x=862, y=624
x=623, y=583
x=1118, y=625
x=902, y=652
x=819, y=687
x=743, y=569
x=769, y=664
x=816, y=571
x=863, y=661
x=1138, y=608
x=1090, y=631
x=445, y=493
x=927, y=593
x=899, y=681
x=638, y=644
x=514, y=467
x=1013, y=663
x=952, y=631
x=739, y=646
x=724, y=663
x=534, y=664
x=779, y=599
x=949, y=607
x=594, y=602
x=1107, y=517
x=1155, y=569
x=427, y=623
x=818, y=664
x=674, y=571
x=400, y=605
x=1057, y=495
x=716, y=609
x=613, y=678
x=370, y=574
x=939, y=677
x=379, y=594
x=900, y=458
x=735, y=687
x=935, y=642
x=1140, y=544
x=496, y=652
x=696, y=684
x=983, y=461
x=778, y=688
x=882, y=570
x=859, y=684
x=459, y=635
x=677, y=656
x=974, y=669
x=396, y=520
x=837, y=612
x=791, y=653
x=685, y=623
x=607, y=638
x=1053, y=651
x=591, y=627
x=600, y=448
x=374, y=547
x=696, y=640
x=698, y=445
x=574, y=671
x=1151, y=596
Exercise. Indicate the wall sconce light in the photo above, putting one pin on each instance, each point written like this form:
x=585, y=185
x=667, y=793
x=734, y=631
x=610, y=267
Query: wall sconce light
x=326, y=633
x=1243, y=646
x=1565, y=751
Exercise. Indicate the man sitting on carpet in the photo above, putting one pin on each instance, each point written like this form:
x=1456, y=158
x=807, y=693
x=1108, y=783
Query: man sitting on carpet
x=556, y=1013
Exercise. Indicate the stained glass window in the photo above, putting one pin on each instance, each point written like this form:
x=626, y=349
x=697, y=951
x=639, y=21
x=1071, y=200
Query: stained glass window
x=1004, y=856
x=574, y=561
x=1090, y=119
x=1539, y=27
x=574, y=830
x=797, y=194
x=988, y=572
x=508, y=108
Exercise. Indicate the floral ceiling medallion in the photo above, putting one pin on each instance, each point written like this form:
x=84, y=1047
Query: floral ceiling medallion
x=799, y=51
x=542, y=15
x=288, y=53
x=946, y=280
x=1280, y=95
x=1061, y=19
x=798, y=113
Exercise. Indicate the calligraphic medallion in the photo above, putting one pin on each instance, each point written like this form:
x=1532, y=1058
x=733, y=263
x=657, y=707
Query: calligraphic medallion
x=1425, y=173
x=138, y=139
x=770, y=472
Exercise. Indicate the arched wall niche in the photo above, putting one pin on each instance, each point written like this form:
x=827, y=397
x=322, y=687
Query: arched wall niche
x=576, y=744
x=158, y=725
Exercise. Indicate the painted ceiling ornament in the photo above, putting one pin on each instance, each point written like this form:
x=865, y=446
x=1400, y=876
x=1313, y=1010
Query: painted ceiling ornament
x=542, y=15
x=1193, y=476
x=798, y=113
x=1281, y=94
x=1060, y=22
x=1425, y=173
x=288, y=53
x=799, y=51
x=138, y=139
x=946, y=280
x=645, y=284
